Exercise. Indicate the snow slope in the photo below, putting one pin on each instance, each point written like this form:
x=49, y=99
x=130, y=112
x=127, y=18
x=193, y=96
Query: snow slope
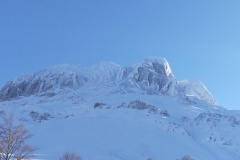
x=119, y=113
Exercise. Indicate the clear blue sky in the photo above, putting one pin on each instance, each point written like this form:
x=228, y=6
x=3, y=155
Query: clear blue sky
x=200, y=39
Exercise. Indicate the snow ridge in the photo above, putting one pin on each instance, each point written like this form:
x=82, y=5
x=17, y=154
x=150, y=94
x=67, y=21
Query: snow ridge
x=152, y=76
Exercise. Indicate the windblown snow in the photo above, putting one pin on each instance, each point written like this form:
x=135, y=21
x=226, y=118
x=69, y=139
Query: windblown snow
x=112, y=112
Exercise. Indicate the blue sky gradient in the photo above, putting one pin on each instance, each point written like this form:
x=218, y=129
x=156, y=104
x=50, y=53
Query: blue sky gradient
x=200, y=39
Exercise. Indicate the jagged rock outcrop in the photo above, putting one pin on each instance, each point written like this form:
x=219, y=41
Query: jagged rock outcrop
x=153, y=75
x=43, y=81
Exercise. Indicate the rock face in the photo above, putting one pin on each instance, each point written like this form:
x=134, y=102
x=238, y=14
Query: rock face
x=42, y=81
x=153, y=75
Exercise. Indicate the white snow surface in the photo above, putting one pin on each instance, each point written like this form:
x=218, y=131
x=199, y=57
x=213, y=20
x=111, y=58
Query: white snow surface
x=195, y=89
x=114, y=113
x=122, y=128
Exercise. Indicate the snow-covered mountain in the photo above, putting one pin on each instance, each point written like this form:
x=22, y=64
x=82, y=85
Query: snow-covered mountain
x=152, y=76
x=111, y=112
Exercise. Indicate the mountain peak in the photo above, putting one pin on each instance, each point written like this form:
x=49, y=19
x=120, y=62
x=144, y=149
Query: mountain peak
x=160, y=65
x=152, y=76
x=106, y=65
x=156, y=59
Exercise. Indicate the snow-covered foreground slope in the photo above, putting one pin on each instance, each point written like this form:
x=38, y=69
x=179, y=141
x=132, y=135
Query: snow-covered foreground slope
x=127, y=126
x=109, y=112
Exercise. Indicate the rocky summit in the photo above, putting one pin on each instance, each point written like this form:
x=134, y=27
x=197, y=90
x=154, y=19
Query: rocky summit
x=152, y=76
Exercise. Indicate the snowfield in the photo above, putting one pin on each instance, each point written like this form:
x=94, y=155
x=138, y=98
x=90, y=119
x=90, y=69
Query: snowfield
x=109, y=112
